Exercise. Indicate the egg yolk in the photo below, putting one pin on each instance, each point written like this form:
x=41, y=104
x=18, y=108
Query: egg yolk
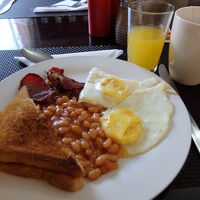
x=122, y=125
x=114, y=88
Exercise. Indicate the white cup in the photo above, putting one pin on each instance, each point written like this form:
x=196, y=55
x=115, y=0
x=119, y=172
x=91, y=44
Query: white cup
x=184, y=50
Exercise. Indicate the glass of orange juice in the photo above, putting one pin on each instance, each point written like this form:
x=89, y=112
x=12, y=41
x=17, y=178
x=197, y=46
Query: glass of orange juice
x=148, y=22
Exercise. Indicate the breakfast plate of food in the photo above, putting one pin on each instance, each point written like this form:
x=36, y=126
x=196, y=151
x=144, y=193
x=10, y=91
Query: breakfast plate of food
x=93, y=128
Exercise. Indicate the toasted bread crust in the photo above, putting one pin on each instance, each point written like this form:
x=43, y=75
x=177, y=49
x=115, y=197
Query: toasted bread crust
x=66, y=165
x=27, y=138
x=57, y=179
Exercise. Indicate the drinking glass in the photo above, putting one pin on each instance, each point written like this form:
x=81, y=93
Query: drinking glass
x=148, y=23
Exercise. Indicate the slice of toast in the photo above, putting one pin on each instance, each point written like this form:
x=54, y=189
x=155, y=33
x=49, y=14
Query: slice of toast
x=57, y=179
x=27, y=138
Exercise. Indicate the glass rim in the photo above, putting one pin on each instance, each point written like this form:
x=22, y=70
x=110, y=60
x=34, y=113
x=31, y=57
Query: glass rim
x=134, y=3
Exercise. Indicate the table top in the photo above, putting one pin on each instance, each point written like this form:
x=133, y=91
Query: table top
x=59, y=33
x=17, y=11
x=48, y=32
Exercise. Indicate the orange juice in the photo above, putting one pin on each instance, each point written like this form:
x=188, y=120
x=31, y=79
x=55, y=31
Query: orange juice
x=145, y=45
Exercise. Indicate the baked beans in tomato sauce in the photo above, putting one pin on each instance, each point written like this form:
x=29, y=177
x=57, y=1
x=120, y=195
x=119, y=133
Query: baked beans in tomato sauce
x=79, y=127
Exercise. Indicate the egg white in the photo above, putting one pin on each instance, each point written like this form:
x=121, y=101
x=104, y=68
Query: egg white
x=92, y=91
x=155, y=110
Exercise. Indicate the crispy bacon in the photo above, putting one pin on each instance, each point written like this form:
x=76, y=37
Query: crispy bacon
x=38, y=90
x=56, y=70
x=45, y=92
x=34, y=83
x=58, y=80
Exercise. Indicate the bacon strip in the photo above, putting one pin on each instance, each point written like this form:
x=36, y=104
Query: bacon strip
x=45, y=92
x=58, y=80
x=38, y=89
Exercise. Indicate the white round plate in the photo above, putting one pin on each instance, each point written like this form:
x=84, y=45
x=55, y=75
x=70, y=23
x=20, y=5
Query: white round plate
x=141, y=177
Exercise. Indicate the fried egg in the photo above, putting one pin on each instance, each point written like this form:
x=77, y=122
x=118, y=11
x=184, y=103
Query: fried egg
x=140, y=121
x=122, y=125
x=109, y=90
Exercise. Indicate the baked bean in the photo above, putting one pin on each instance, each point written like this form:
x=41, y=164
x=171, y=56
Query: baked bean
x=70, y=109
x=101, y=132
x=97, y=153
x=51, y=109
x=67, y=140
x=66, y=119
x=65, y=122
x=111, y=165
x=78, y=141
x=47, y=113
x=59, y=101
x=65, y=99
x=88, y=152
x=101, y=159
x=73, y=114
x=86, y=124
x=91, y=143
x=114, y=148
x=85, y=163
x=65, y=105
x=79, y=157
x=89, y=119
x=104, y=169
x=86, y=105
x=76, y=129
x=92, y=109
x=79, y=111
x=112, y=157
x=88, y=168
x=73, y=102
x=105, y=157
x=85, y=136
x=107, y=143
x=85, y=144
x=95, y=125
x=60, y=123
x=94, y=174
x=99, y=143
x=92, y=158
x=76, y=146
x=63, y=130
x=84, y=115
x=95, y=117
x=69, y=135
x=65, y=114
x=54, y=118
x=92, y=133
x=59, y=111
x=77, y=122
